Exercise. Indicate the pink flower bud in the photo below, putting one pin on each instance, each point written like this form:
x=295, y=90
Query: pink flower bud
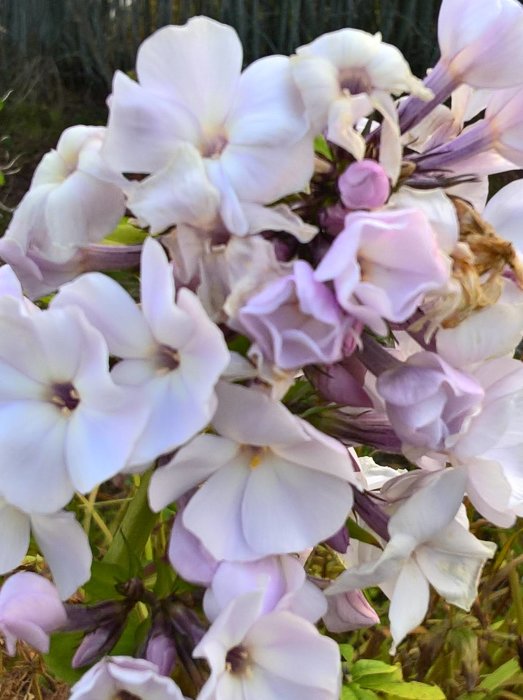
x=364, y=185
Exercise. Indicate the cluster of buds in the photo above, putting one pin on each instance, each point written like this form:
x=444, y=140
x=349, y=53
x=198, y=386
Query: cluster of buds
x=327, y=215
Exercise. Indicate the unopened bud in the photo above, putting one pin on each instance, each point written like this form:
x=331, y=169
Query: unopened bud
x=364, y=185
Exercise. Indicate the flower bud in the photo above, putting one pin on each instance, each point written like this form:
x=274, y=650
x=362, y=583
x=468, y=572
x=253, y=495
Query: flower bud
x=161, y=650
x=364, y=185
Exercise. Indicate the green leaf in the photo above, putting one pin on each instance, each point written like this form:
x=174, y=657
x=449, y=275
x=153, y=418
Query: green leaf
x=126, y=234
x=500, y=676
x=352, y=691
x=61, y=652
x=347, y=652
x=104, y=577
x=129, y=542
x=132, y=636
x=358, y=533
x=2, y=179
x=410, y=691
x=322, y=147
x=365, y=668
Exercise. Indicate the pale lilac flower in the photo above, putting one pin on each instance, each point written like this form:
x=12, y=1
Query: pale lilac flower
x=480, y=45
x=265, y=473
x=296, y=320
x=30, y=609
x=276, y=655
x=209, y=136
x=65, y=425
x=429, y=402
x=281, y=580
x=122, y=677
x=60, y=538
x=74, y=199
x=364, y=185
x=480, y=42
x=382, y=264
x=467, y=414
x=426, y=546
x=171, y=350
x=490, y=145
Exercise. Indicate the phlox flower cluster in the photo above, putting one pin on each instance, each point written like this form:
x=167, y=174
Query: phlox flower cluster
x=319, y=272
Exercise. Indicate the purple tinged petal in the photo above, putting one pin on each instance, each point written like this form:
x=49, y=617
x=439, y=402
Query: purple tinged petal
x=291, y=648
x=29, y=610
x=296, y=320
x=188, y=556
x=214, y=513
x=306, y=506
x=349, y=611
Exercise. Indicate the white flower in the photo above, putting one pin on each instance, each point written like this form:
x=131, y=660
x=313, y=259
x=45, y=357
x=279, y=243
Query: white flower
x=172, y=352
x=125, y=677
x=427, y=545
x=343, y=76
x=59, y=537
x=276, y=655
x=274, y=484
x=74, y=199
x=64, y=424
x=210, y=137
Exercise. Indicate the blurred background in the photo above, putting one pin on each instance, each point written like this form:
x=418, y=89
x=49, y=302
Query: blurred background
x=57, y=57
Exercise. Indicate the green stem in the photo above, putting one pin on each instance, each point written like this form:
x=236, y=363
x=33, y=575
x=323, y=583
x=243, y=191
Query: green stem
x=135, y=528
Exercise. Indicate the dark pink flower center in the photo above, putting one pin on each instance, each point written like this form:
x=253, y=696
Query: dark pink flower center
x=65, y=397
x=237, y=660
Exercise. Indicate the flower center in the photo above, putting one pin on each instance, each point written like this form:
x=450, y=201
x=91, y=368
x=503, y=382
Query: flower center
x=124, y=695
x=238, y=660
x=167, y=359
x=256, y=456
x=65, y=397
x=354, y=80
x=212, y=146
